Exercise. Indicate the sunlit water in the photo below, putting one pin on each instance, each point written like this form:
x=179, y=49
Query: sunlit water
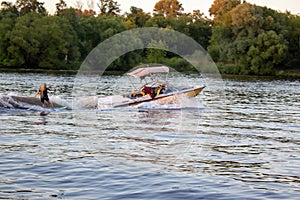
x=244, y=145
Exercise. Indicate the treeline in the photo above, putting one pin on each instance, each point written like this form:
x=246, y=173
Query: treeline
x=249, y=39
x=242, y=38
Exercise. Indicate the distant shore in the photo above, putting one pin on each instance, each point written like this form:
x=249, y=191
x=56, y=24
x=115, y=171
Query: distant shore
x=51, y=71
x=289, y=73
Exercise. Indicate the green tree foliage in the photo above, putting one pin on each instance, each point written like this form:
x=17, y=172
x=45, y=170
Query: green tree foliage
x=158, y=21
x=252, y=37
x=72, y=15
x=294, y=41
x=109, y=26
x=199, y=28
x=168, y=8
x=7, y=23
x=249, y=38
x=60, y=46
x=43, y=42
x=91, y=35
x=155, y=52
x=268, y=50
x=23, y=49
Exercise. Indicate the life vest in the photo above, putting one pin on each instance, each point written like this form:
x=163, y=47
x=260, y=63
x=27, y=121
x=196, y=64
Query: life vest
x=153, y=91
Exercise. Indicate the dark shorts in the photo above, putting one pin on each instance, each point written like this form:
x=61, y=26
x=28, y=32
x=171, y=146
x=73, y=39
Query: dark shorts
x=44, y=99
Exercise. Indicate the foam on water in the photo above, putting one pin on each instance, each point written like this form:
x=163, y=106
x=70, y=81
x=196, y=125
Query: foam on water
x=8, y=101
x=12, y=102
x=82, y=103
x=178, y=102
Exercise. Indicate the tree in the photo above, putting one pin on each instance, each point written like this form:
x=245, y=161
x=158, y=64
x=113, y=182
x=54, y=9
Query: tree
x=268, y=50
x=58, y=42
x=27, y=6
x=252, y=37
x=220, y=7
x=168, y=8
x=200, y=28
x=221, y=37
x=72, y=15
x=181, y=24
x=91, y=35
x=137, y=16
x=60, y=6
x=38, y=41
x=294, y=41
x=8, y=7
x=109, y=7
x=158, y=21
x=109, y=26
x=155, y=54
x=24, y=47
x=7, y=23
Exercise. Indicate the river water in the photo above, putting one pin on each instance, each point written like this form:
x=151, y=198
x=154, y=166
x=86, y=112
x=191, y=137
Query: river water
x=240, y=141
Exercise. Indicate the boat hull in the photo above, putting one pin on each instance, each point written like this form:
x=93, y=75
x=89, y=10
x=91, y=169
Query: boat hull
x=191, y=92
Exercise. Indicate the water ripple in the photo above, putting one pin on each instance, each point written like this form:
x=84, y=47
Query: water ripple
x=244, y=146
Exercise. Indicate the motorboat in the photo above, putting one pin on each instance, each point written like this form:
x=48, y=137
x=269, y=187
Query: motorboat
x=154, y=87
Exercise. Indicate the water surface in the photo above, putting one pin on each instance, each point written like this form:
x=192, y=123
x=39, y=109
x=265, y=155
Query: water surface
x=243, y=144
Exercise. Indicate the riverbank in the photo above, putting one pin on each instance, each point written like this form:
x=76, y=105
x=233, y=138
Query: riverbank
x=50, y=71
x=228, y=72
x=292, y=73
x=24, y=70
x=239, y=71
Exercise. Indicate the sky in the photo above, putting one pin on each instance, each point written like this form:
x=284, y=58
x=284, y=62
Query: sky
x=189, y=5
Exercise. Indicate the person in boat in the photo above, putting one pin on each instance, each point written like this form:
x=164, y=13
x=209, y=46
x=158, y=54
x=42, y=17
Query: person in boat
x=43, y=91
x=154, y=91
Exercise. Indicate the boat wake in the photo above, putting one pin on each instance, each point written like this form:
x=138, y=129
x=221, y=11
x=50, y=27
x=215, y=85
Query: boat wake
x=10, y=103
x=179, y=103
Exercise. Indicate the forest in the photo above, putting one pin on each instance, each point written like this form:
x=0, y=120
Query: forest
x=241, y=38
